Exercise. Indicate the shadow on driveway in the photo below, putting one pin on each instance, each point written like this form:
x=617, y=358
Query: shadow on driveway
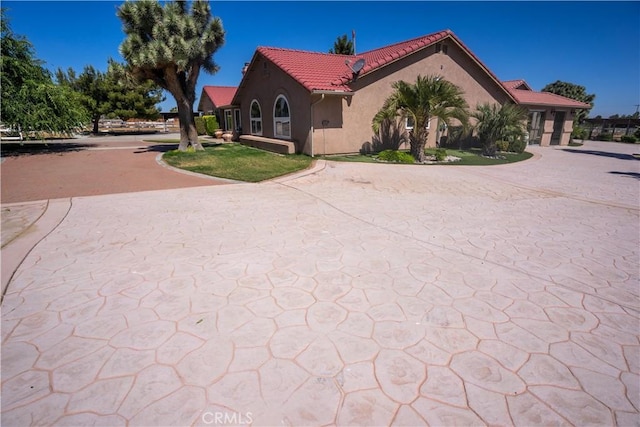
x=15, y=149
x=635, y=175
x=620, y=156
x=163, y=148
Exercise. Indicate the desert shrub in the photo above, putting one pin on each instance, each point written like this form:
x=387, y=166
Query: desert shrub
x=502, y=145
x=579, y=133
x=200, y=126
x=517, y=145
x=210, y=124
x=605, y=136
x=441, y=154
x=395, y=156
x=628, y=138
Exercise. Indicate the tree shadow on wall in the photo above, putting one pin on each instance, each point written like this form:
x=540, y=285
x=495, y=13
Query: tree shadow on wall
x=391, y=136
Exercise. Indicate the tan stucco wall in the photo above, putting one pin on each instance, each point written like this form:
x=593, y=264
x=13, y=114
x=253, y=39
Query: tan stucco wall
x=373, y=89
x=265, y=85
x=205, y=104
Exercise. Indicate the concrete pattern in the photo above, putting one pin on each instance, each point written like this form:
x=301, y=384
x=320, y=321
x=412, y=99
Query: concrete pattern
x=357, y=295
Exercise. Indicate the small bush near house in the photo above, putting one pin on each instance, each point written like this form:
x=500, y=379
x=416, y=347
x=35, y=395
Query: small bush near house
x=200, y=126
x=210, y=124
x=441, y=155
x=395, y=156
x=517, y=146
x=605, y=137
x=628, y=138
x=502, y=145
x=579, y=133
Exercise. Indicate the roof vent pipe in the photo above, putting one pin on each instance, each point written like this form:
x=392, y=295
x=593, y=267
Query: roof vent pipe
x=245, y=68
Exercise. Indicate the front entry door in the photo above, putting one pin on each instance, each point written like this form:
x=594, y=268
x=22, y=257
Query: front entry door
x=558, y=126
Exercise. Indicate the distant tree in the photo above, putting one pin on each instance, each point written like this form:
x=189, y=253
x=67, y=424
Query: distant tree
x=496, y=122
x=169, y=44
x=131, y=98
x=174, y=110
x=342, y=46
x=429, y=97
x=572, y=91
x=616, y=116
x=30, y=100
x=113, y=93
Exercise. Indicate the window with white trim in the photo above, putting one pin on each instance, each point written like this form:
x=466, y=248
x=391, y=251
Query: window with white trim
x=408, y=123
x=255, y=114
x=281, y=118
x=237, y=118
x=228, y=120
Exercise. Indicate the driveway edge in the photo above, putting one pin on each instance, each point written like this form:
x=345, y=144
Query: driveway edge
x=15, y=252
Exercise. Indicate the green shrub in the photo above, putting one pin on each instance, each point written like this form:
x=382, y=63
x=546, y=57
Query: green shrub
x=637, y=133
x=441, y=154
x=517, y=146
x=579, y=133
x=200, y=126
x=210, y=124
x=502, y=145
x=628, y=138
x=395, y=156
x=605, y=137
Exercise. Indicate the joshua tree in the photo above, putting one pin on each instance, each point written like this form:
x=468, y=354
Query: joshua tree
x=429, y=97
x=498, y=123
x=169, y=45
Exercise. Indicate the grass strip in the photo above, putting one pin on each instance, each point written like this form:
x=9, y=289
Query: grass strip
x=237, y=162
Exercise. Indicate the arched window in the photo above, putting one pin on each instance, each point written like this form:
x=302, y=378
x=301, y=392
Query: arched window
x=255, y=114
x=281, y=118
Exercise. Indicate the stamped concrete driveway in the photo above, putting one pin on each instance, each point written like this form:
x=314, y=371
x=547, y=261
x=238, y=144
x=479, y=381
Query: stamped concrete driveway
x=359, y=295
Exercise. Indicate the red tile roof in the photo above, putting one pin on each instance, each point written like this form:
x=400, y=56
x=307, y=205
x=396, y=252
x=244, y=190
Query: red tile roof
x=530, y=97
x=314, y=70
x=516, y=84
x=317, y=71
x=328, y=72
x=220, y=95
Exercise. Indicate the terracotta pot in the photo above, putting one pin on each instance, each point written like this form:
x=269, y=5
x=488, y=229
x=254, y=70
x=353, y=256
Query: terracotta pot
x=227, y=136
x=218, y=133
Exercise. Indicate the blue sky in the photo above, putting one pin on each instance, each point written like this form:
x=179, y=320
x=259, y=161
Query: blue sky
x=594, y=44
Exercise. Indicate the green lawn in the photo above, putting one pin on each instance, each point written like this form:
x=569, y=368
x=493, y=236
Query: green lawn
x=470, y=157
x=238, y=162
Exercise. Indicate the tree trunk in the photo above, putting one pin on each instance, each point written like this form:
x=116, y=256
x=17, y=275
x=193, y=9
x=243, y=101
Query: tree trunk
x=96, y=123
x=418, y=141
x=188, y=132
x=489, y=149
x=184, y=100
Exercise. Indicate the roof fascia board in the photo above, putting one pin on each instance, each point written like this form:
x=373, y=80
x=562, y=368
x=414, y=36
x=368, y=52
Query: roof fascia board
x=331, y=92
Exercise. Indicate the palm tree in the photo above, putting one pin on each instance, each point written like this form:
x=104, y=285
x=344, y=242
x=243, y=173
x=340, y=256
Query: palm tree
x=342, y=46
x=429, y=97
x=169, y=45
x=497, y=122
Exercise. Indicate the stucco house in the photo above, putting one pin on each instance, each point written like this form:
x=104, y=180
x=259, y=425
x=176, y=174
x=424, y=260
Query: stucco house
x=217, y=101
x=320, y=103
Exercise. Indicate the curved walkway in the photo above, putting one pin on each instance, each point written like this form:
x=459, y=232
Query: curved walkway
x=358, y=295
